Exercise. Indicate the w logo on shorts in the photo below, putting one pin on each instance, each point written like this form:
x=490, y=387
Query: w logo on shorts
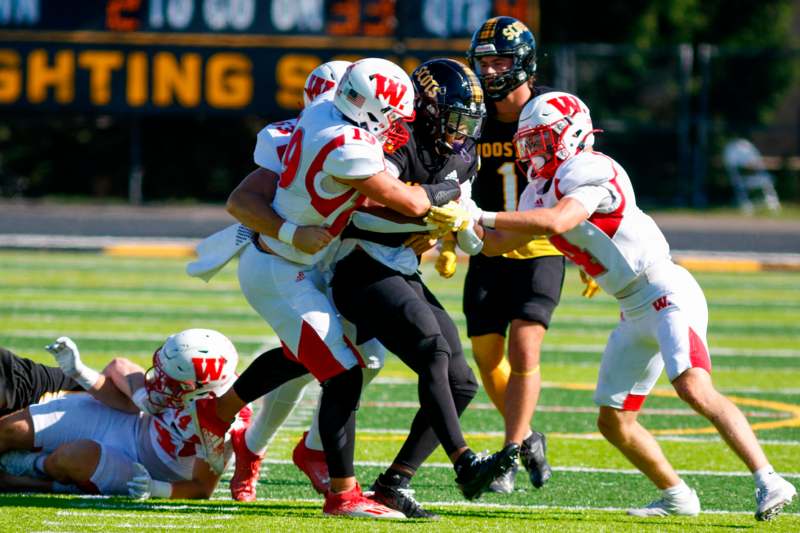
x=300, y=276
x=661, y=303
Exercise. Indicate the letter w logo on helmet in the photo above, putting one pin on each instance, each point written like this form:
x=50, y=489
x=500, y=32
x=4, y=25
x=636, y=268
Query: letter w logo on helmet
x=566, y=105
x=208, y=368
x=316, y=86
x=388, y=90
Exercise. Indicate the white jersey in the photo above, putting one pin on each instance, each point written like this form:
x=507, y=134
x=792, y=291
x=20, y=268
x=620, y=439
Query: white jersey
x=168, y=444
x=323, y=146
x=618, y=242
x=271, y=143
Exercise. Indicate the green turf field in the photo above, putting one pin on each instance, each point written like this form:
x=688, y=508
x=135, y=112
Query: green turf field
x=126, y=307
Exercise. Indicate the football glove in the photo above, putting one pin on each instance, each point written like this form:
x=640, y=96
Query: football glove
x=591, y=288
x=446, y=262
x=69, y=360
x=449, y=217
x=142, y=486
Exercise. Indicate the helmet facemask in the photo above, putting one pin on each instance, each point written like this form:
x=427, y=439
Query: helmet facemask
x=536, y=151
x=497, y=85
x=395, y=136
x=163, y=390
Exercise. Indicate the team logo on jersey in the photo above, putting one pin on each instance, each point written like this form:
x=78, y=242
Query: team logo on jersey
x=661, y=303
x=566, y=105
x=208, y=368
x=388, y=90
x=316, y=86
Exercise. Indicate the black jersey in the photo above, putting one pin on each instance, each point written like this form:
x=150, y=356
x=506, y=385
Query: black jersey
x=26, y=382
x=500, y=182
x=418, y=163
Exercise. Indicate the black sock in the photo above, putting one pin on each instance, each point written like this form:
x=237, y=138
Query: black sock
x=395, y=478
x=464, y=461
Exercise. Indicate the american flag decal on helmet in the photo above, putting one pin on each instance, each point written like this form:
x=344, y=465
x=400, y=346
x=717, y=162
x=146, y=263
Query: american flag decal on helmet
x=354, y=98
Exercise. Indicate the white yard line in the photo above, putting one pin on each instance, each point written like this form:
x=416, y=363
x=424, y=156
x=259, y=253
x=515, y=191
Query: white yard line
x=104, y=526
x=576, y=409
x=151, y=516
x=579, y=469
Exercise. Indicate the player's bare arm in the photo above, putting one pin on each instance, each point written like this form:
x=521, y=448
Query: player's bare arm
x=251, y=204
x=201, y=486
x=514, y=228
x=407, y=200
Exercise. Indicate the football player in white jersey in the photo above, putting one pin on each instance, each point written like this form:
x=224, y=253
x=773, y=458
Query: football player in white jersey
x=585, y=202
x=133, y=433
x=333, y=162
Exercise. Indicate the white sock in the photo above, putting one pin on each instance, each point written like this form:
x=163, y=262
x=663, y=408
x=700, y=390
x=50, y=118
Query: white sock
x=764, y=475
x=313, y=438
x=275, y=409
x=676, y=491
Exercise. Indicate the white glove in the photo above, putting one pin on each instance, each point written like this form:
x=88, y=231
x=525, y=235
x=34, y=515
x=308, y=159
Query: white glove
x=69, y=360
x=142, y=487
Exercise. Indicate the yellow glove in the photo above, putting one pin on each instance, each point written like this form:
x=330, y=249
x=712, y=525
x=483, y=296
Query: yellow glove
x=446, y=262
x=449, y=217
x=591, y=288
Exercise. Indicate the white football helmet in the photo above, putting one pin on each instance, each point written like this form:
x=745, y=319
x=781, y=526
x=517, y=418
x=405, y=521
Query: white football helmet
x=552, y=128
x=323, y=80
x=191, y=363
x=377, y=96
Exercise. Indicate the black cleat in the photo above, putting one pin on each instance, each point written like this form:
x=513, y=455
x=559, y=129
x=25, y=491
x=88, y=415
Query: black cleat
x=400, y=499
x=505, y=483
x=533, y=455
x=475, y=474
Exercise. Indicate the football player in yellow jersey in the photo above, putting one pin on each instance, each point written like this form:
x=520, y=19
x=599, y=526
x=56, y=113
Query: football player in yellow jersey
x=515, y=294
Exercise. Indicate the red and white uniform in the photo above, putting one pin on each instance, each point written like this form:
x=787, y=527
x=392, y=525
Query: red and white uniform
x=287, y=287
x=664, y=313
x=166, y=444
x=271, y=143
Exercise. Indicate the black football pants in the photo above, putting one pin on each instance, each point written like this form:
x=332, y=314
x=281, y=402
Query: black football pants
x=409, y=321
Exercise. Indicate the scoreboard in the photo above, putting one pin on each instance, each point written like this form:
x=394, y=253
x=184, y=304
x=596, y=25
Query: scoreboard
x=214, y=56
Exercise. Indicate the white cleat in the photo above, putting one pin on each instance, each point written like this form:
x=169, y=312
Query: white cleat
x=684, y=505
x=771, y=500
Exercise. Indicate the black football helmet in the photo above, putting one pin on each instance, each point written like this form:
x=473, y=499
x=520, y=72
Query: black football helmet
x=448, y=103
x=503, y=36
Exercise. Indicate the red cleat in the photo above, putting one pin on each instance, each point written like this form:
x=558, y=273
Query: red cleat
x=354, y=503
x=211, y=430
x=313, y=465
x=248, y=468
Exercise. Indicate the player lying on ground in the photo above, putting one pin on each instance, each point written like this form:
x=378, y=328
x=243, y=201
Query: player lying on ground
x=585, y=202
x=132, y=434
x=24, y=382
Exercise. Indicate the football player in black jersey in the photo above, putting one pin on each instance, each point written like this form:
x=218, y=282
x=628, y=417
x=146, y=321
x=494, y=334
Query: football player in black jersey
x=514, y=294
x=376, y=285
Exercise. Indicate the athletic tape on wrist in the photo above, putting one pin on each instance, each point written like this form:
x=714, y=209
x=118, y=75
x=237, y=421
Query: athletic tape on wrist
x=488, y=219
x=160, y=489
x=286, y=233
x=86, y=378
